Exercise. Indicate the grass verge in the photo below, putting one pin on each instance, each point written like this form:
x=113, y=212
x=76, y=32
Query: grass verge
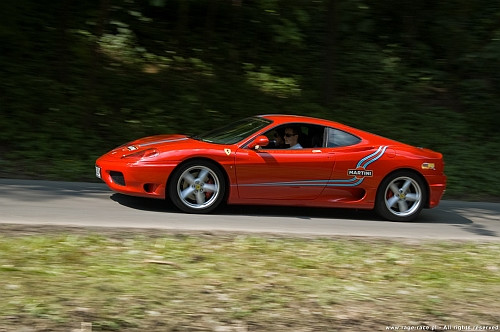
x=159, y=281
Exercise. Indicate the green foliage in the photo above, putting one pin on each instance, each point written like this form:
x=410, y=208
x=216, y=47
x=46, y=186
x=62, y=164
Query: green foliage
x=267, y=82
x=79, y=78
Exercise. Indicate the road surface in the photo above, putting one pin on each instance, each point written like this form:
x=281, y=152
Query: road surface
x=31, y=202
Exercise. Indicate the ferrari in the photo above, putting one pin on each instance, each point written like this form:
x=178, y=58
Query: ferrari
x=283, y=160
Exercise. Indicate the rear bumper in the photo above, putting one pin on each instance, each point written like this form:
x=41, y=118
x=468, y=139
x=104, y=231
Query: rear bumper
x=437, y=187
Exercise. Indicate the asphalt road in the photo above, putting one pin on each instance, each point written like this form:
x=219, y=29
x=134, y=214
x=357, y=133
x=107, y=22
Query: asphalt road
x=94, y=205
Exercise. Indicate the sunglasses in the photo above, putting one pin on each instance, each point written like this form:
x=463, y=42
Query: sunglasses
x=290, y=135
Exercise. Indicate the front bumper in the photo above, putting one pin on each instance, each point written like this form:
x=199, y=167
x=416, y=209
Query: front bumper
x=135, y=179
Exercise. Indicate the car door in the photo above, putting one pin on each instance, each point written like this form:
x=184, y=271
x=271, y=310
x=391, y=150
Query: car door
x=353, y=166
x=279, y=174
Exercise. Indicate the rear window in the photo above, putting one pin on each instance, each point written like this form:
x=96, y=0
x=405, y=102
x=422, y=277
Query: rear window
x=337, y=138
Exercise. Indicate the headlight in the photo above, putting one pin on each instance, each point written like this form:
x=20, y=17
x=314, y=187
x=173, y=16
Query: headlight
x=149, y=153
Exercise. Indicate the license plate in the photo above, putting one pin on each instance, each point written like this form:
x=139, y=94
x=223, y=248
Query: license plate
x=98, y=172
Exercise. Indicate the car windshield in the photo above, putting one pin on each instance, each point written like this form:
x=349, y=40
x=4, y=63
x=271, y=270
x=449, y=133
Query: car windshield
x=234, y=132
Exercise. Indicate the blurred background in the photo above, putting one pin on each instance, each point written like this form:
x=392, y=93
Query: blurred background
x=78, y=78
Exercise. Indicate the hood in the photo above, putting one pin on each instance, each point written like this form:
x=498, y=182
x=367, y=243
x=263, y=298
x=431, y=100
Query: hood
x=145, y=143
x=153, y=141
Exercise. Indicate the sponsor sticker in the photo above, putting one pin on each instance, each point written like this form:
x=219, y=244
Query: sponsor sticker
x=227, y=151
x=428, y=166
x=360, y=173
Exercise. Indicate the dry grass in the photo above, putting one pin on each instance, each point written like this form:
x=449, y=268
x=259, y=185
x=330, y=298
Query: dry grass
x=53, y=280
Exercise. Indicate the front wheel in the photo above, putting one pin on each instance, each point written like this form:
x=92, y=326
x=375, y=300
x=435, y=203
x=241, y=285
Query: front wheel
x=401, y=196
x=197, y=187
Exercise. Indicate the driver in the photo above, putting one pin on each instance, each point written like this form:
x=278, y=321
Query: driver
x=292, y=138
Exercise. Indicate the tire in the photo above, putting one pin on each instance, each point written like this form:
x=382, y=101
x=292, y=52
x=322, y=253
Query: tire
x=197, y=186
x=401, y=196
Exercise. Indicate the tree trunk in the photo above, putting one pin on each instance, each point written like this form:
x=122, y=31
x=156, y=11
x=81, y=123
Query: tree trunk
x=332, y=20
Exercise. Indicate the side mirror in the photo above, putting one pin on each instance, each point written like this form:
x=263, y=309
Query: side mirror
x=259, y=142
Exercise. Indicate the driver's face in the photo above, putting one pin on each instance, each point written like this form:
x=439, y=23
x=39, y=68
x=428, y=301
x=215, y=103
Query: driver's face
x=290, y=137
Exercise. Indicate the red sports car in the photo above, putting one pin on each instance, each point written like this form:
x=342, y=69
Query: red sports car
x=279, y=160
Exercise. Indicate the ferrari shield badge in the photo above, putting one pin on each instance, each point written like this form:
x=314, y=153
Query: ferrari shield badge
x=227, y=151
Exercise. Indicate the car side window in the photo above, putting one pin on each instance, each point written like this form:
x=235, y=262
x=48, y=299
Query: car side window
x=276, y=140
x=337, y=138
x=309, y=136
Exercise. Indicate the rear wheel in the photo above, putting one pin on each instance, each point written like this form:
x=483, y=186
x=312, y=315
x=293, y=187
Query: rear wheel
x=197, y=187
x=401, y=196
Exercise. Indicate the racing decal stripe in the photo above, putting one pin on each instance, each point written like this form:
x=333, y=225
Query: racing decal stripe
x=309, y=183
x=164, y=141
x=376, y=158
x=352, y=182
x=380, y=151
